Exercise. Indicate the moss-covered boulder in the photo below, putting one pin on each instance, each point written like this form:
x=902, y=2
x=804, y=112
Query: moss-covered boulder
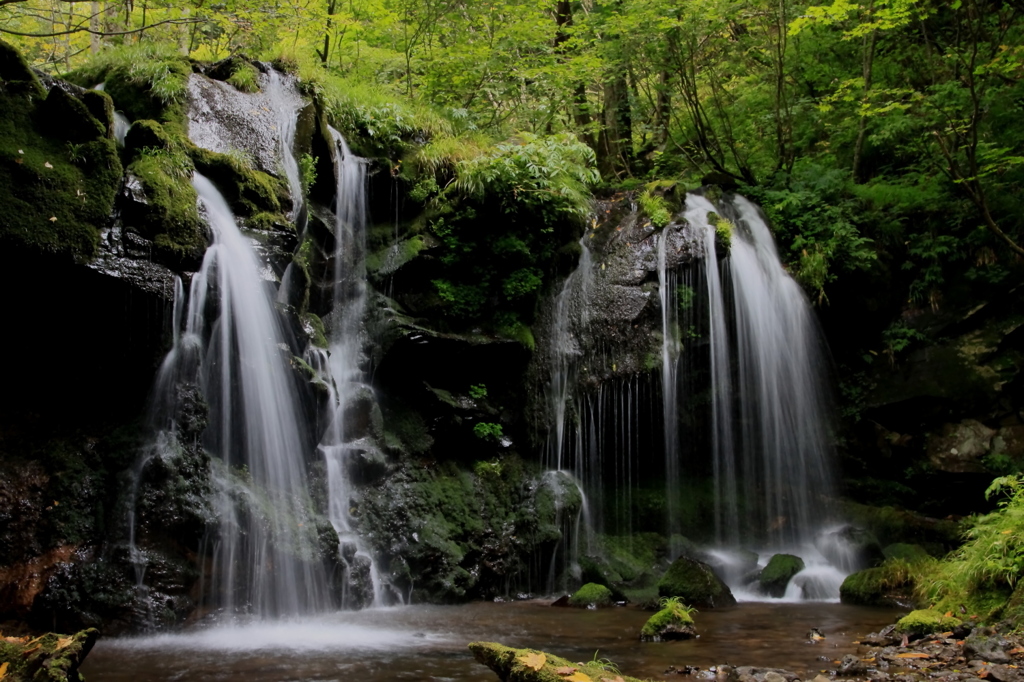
x=590, y=595
x=695, y=583
x=48, y=658
x=531, y=665
x=888, y=585
x=59, y=171
x=248, y=191
x=925, y=622
x=907, y=552
x=673, y=621
x=160, y=204
x=16, y=74
x=777, y=574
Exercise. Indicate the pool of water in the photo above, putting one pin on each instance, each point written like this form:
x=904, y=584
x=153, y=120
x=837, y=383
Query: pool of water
x=429, y=643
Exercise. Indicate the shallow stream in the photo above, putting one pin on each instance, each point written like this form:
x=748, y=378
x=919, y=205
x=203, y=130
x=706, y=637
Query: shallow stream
x=429, y=643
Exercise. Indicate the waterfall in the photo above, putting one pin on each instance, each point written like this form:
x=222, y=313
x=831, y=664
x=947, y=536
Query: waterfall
x=229, y=342
x=770, y=407
x=343, y=364
x=266, y=544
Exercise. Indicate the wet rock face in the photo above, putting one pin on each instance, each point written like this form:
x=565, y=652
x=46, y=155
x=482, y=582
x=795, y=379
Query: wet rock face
x=960, y=447
x=225, y=120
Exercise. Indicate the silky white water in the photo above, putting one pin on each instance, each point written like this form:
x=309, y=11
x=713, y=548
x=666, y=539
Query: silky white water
x=265, y=555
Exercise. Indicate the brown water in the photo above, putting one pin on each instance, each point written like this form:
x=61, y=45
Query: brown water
x=429, y=643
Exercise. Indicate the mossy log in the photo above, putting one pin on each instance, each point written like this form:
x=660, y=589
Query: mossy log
x=531, y=665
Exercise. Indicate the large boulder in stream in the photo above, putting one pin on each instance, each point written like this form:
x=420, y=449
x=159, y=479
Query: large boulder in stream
x=780, y=570
x=696, y=584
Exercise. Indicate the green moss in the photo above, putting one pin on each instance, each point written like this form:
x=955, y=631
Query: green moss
x=314, y=327
x=389, y=259
x=777, y=574
x=925, y=622
x=48, y=658
x=891, y=584
x=591, y=593
x=148, y=134
x=906, y=552
x=695, y=583
x=520, y=333
x=57, y=182
x=514, y=665
x=723, y=230
x=17, y=76
x=673, y=621
x=264, y=220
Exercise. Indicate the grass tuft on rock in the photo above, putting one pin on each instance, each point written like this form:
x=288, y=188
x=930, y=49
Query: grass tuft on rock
x=673, y=621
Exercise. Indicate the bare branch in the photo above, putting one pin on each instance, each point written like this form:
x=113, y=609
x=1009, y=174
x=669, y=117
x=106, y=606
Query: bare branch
x=102, y=34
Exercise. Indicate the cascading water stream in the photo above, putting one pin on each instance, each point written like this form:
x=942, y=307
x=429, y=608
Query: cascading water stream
x=670, y=348
x=570, y=320
x=344, y=361
x=285, y=107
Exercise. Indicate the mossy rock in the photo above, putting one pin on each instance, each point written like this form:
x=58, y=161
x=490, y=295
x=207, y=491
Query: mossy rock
x=695, y=583
x=780, y=570
x=167, y=212
x=157, y=92
x=531, y=665
x=237, y=71
x=101, y=106
x=249, y=192
x=906, y=552
x=925, y=622
x=18, y=78
x=48, y=658
x=146, y=134
x=670, y=623
x=66, y=113
x=886, y=585
x=591, y=594
x=57, y=182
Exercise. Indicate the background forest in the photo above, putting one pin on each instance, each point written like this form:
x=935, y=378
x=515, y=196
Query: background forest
x=881, y=137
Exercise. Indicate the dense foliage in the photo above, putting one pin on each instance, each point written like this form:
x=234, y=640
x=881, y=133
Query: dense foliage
x=883, y=134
